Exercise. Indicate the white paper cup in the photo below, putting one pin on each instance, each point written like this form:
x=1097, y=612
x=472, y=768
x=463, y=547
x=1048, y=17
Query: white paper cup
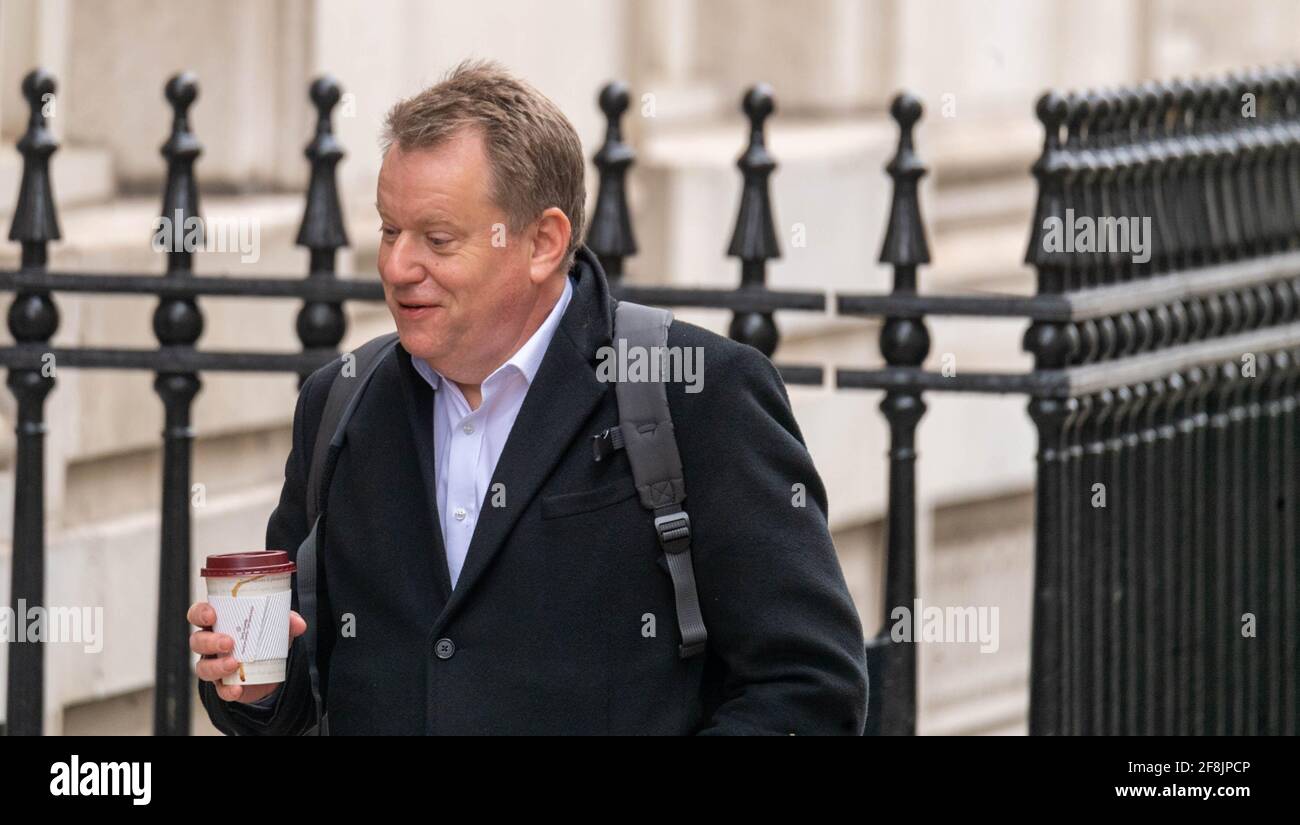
x=251, y=594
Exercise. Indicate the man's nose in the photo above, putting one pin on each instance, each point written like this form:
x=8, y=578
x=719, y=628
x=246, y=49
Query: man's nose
x=402, y=265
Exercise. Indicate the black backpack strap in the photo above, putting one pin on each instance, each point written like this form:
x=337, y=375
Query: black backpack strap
x=345, y=393
x=646, y=426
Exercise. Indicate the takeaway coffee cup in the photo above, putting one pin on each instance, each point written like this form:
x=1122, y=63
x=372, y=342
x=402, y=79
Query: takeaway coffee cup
x=251, y=593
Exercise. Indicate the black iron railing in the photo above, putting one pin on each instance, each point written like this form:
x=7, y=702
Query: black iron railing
x=1137, y=386
x=1164, y=392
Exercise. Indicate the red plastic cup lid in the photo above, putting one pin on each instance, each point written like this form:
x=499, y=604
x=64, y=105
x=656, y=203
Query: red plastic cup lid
x=258, y=562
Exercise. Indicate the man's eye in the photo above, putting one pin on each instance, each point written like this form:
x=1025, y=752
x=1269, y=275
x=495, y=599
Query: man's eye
x=439, y=240
x=388, y=231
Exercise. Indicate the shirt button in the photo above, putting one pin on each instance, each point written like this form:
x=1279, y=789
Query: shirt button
x=469, y=429
x=459, y=514
x=444, y=648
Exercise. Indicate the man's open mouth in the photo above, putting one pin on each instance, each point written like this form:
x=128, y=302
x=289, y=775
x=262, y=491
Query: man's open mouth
x=414, y=309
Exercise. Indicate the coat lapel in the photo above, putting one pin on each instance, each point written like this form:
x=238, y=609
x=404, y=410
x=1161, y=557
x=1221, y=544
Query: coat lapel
x=419, y=407
x=560, y=399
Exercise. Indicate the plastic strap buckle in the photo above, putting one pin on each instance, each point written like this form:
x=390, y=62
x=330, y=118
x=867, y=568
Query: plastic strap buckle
x=604, y=444
x=674, y=531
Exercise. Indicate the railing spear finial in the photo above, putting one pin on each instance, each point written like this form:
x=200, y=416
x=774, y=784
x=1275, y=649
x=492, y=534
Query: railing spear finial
x=754, y=239
x=905, y=245
x=181, y=192
x=321, y=324
x=1049, y=170
x=610, y=235
x=35, y=219
x=322, y=229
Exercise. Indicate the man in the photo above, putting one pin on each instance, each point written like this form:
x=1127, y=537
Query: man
x=491, y=576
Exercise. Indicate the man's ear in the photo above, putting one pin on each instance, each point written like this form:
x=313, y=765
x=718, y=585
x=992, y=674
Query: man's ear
x=550, y=242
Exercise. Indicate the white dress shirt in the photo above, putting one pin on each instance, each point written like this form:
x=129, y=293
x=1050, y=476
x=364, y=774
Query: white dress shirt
x=467, y=443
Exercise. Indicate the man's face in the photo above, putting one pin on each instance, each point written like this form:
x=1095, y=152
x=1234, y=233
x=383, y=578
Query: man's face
x=460, y=300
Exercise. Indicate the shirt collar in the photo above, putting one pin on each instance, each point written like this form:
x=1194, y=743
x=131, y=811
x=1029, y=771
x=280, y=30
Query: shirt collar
x=528, y=358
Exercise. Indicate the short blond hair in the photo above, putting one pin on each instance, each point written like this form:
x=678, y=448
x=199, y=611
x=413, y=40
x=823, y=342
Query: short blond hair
x=532, y=148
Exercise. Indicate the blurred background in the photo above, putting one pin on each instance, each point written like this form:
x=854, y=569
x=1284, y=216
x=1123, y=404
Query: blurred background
x=978, y=66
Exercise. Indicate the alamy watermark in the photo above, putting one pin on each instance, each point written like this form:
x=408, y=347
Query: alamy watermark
x=1130, y=235
x=932, y=623
x=195, y=234
x=653, y=364
x=54, y=625
x=77, y=778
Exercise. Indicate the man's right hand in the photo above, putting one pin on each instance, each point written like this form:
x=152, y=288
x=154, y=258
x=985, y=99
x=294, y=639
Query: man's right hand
x=217, y=661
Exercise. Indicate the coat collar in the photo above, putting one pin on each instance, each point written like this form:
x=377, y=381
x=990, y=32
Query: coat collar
x=561, y=398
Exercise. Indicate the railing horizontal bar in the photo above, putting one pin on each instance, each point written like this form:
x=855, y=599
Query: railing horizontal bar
x=1076, y=380
x=1090, y=378
x=1043, y=382
x=180, y=359
x=1083, y=379
x=801, y=374
x=296, y=286
x=1158, y=290
x=744, y=299
x=1077, y=306
x=1097, y=302
x=165, y=359
x=909, y=305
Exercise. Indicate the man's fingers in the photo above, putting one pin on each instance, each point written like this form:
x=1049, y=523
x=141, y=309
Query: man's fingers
x=213, y=670
x=215, y=648
x=201, y=614
x=230, y=693
x=208, y=643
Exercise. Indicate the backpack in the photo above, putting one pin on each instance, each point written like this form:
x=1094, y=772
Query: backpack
x=645, y=431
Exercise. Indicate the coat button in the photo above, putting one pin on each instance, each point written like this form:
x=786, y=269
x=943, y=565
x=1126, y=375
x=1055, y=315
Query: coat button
x=444, y=648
